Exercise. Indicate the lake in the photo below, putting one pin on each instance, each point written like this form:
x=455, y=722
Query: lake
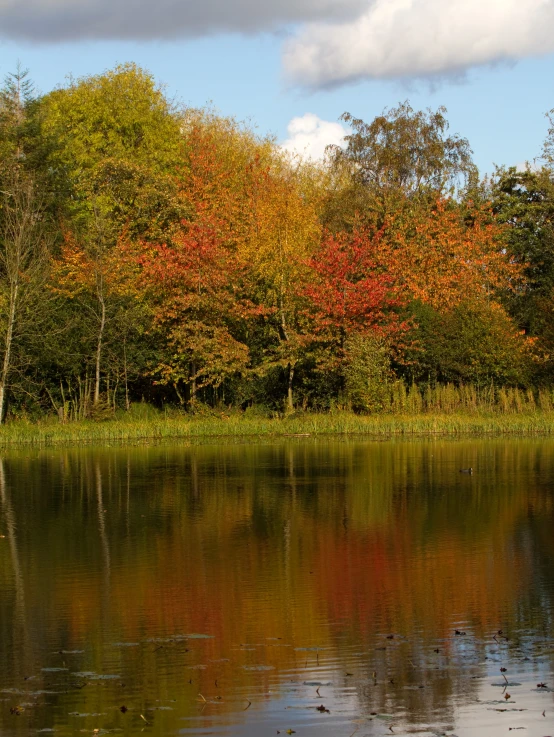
x=303, y=586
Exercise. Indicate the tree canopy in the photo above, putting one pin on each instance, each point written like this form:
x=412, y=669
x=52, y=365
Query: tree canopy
x=175, y=255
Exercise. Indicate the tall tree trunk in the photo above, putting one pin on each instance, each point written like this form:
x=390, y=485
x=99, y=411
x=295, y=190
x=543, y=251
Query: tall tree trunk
x=99, y=348
x=193, y=383
x=6, y=364
x=290, y=405
x=127, y=403
x=290, y=367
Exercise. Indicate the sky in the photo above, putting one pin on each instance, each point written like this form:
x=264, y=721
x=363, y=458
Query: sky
x=290, y=68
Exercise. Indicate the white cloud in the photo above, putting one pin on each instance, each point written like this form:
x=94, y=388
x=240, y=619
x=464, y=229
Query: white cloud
x=309, y=135
x=335, y=41
x=419, y=38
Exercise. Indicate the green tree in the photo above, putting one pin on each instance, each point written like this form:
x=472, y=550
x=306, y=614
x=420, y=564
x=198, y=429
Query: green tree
x=475, y=342
x=24, y=262
x=25, y=240
x=524, y=200
x=17, y=97
x=367, y=371
x=112, y=145
x=401, y=154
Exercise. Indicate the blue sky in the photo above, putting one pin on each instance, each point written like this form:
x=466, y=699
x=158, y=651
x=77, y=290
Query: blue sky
x=284, y=68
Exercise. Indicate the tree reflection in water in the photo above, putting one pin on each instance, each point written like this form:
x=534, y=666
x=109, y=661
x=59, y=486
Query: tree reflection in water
x=351, y=563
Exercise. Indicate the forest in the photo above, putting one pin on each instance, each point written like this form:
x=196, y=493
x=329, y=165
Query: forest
x=155, y=253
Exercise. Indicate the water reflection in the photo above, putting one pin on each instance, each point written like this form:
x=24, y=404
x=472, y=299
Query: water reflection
x=19, y=641
x=229, y=589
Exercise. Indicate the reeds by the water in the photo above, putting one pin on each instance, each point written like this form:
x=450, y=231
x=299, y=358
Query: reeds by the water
x=438, y=413
x=467, y=398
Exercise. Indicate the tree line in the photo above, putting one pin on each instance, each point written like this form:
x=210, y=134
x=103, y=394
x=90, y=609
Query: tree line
x=150, y=251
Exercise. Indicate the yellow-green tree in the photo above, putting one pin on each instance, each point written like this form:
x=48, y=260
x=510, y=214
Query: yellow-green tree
x=113, y=147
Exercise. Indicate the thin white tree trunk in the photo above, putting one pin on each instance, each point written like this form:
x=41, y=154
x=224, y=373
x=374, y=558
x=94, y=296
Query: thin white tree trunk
x=99, y=349
x=290, y=403
x=6, y=364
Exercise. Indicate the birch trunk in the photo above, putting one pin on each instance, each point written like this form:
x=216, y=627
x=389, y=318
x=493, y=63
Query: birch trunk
x=99, y=348
x=6, y=363
x=23, y=270
x=290, y=404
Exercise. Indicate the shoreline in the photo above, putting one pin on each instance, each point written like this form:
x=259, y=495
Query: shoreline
x=52, y=433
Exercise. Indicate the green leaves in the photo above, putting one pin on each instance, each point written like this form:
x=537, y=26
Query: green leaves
x=112, y=145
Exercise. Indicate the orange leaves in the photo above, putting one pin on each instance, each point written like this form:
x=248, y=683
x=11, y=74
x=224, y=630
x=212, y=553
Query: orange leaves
x=80, y=269
x=240, y=254
x=194, y=288
x=428, y=254
x=434, y=256
x=214, y=185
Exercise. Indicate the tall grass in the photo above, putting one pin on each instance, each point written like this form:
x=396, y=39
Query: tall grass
x=239, y=425
x=466, y=398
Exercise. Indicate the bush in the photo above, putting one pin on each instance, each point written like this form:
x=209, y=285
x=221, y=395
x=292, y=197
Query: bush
x=367, y=373
x=474, y=342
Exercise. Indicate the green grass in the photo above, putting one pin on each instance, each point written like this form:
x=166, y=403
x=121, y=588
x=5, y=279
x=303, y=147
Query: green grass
x=155, y=426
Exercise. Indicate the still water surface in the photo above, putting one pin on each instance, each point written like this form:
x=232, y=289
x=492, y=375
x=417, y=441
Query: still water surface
x=234, y=589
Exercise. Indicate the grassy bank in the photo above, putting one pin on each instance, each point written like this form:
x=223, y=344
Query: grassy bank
x=156, y=427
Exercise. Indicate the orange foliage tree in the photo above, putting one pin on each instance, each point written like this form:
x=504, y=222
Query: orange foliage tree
x=441, y=255
x=228, y=280
x=103, y=281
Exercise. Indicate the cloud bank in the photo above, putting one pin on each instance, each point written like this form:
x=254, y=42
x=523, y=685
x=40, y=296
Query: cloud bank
x=419, y=38
x=309, y=136
x=73, y=20
x=334, y=42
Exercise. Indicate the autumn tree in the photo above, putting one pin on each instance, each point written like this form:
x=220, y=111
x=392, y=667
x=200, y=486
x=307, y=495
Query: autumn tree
x=263, y=209
x=442, y=253
x=192, y=289
x=102, y=284
x=352, y=300
x=401, y=154
x=284, y=230
x=193, y=279
x=112, y=145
